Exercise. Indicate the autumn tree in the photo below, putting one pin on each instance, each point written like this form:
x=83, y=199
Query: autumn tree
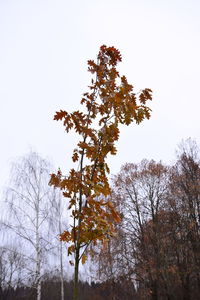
x=109, y=103
x=141, y=189
x=184, y=202
x=157, y=246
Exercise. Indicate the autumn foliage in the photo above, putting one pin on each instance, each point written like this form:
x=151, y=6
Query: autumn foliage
x=109, y=102
x=158, y=242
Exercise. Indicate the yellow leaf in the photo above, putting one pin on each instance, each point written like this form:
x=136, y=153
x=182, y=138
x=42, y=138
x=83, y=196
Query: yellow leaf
x=83, y=259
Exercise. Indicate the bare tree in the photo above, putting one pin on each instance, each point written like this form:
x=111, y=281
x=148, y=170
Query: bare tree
x=185, y=203
x=30, y=207
x=140, y=193
x=12, y=264
x=157, y=246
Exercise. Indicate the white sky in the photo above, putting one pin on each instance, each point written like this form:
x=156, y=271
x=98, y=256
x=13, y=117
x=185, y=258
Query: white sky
x=44, y=48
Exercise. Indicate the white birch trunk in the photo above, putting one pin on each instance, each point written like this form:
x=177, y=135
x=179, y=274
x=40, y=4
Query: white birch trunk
x=30, y=201
x=38, y=253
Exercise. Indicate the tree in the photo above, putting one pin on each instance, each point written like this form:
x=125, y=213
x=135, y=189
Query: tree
x=109, y=103
x=57, y=223
x=11, y=269
x=140, y=192
x=29, y=202
x=157, y=246
x=185, y=203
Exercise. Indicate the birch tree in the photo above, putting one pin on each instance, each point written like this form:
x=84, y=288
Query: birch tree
x=28, y=198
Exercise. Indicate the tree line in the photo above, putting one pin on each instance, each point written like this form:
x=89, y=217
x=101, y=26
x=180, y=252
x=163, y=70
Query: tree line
x=157, y=244
x=154, y=253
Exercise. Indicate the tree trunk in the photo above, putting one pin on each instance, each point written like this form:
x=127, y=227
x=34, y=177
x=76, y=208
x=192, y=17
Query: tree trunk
x=61, y=272
x=38, y=275
x=76, y=296
x=39, y=289
x=38, y=258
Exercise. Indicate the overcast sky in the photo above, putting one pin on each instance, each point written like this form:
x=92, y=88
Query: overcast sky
x=44, y=48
